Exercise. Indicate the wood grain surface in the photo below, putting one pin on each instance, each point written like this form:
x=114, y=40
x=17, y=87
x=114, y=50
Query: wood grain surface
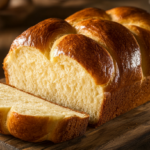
x=130, y=131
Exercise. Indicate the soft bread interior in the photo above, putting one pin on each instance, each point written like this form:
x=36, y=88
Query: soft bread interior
x=64, y=81
x=26, y=104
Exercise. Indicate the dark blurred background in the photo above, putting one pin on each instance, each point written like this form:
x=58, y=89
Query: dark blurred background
x=18, y=15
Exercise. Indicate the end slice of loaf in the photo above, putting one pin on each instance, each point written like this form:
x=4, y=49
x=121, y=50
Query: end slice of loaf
x=33, y=119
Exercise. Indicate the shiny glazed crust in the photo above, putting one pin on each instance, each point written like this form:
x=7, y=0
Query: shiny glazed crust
x=93, y=57
x=121, y=45
x=36, y=129
x=86, y=14
x=121, y=35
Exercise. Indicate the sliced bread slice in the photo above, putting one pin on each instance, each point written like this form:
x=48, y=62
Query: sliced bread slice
x=33, y=119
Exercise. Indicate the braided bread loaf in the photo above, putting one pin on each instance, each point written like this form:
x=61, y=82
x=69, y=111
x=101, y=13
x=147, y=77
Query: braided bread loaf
x=95, y=61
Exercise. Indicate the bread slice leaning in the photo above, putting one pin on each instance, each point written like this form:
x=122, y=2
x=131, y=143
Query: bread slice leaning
x=33, y=119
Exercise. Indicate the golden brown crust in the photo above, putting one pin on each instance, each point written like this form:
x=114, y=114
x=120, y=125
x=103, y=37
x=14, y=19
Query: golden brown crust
x=27, y=128
x=93, y=57
x=36, y=128
x=86, y=14
x=143, y=38
x=43, y=34
x=70, y=128
x=130, y=15
x=122, y=46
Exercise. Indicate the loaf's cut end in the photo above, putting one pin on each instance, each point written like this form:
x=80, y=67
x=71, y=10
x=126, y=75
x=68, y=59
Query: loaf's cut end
x=32, y=119
x=62, y=80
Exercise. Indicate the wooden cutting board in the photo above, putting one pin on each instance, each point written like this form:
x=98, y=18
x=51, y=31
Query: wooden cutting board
x=128, y=131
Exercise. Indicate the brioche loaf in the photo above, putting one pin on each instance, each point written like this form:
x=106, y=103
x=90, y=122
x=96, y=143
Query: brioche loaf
x=32, y=119
x=94, y=61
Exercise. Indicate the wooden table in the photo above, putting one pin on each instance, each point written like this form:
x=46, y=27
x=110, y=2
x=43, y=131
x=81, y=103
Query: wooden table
x=128, y=131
